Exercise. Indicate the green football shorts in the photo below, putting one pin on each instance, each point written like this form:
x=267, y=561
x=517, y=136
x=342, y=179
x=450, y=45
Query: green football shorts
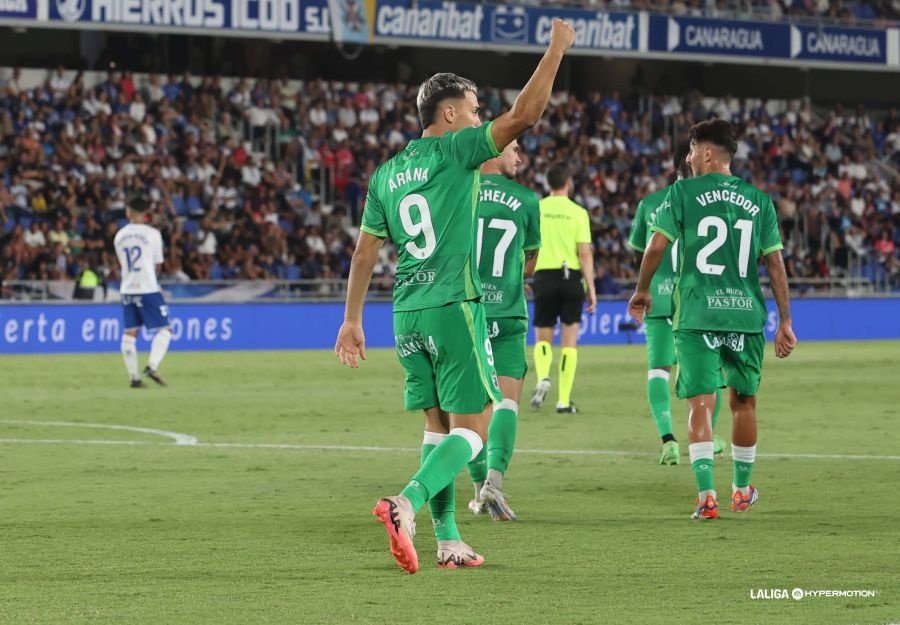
x=703, y=356
x=446, y=354
x=508, y=337
x=660, y=342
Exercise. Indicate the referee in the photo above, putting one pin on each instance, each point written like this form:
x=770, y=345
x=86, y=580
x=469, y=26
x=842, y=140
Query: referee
x=565, y=267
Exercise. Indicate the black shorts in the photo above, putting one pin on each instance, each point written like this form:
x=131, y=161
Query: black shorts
x=557, y=297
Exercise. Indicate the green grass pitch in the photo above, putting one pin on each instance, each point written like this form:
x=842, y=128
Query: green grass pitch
x=261, y=522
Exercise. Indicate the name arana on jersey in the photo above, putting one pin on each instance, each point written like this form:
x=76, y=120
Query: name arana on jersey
x=403, y=178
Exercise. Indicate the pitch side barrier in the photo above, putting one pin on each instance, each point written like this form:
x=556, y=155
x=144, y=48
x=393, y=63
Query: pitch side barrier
x=97, y=328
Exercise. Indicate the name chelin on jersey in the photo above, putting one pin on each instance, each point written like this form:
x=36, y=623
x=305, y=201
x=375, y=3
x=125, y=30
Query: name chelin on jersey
x=500, y=197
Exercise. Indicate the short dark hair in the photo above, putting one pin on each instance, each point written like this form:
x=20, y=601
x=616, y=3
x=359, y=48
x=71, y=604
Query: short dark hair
x=680, y=159
x=438, y=88
x=715, y=131
x=558, y=175
x=139, y=205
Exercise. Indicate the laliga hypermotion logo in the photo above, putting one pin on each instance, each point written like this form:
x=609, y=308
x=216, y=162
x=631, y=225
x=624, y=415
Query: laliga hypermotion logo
x=71, y=10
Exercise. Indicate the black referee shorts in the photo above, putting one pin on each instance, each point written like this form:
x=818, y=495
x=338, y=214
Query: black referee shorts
x=557, y=297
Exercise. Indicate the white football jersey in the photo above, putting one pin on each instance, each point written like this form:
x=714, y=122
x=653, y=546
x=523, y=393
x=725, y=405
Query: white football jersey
x=139, y=249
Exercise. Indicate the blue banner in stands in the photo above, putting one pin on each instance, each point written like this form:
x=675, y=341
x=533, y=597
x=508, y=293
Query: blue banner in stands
x=839, y=44
x=269, y=16
x=63, y=328
x=784, y=41
x=26, y=9
x=696, y=35
x=463, y=23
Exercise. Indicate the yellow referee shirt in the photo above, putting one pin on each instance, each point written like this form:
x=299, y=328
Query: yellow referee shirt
x=564, y=224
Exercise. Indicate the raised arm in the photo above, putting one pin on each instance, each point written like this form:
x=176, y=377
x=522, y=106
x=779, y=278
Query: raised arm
x=529, y=106
x=785, y=341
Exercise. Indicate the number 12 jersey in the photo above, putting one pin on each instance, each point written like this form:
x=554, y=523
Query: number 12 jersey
x=723, y=225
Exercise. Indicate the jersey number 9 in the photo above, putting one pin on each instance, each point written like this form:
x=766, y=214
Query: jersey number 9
x=423, y=227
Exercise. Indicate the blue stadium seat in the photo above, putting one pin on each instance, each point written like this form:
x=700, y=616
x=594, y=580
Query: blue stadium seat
x=179, y=205
x=190, y=226
x=292, y=272
x=194, y=206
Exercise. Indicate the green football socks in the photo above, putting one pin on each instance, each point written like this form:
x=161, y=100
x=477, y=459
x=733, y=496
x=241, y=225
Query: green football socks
x=478, y=467
x=502, y=435
x=441, y=466
x=743, y=458
x=443, y=505
x=702, y=466
x=660, y=401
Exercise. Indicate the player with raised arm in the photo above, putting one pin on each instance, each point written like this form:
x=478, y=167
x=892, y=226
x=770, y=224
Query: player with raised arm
x=139, y=249
x=425, y=199
x=723, y=225
x=658, y=322
x=507, y=239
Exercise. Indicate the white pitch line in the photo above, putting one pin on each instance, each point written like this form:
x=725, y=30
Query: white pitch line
x=542, y=452
x=75, y=441
x=180, y=439
x=379, y=449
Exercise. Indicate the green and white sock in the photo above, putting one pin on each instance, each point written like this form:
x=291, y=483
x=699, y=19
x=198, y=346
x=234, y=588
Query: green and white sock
x=743, y=458
x=702, y=465
x=660, y=402
x=443, y=505
x=502, y=435
x=442, y=465
x=478, y=470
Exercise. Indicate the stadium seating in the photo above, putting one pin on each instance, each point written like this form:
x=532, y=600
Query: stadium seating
x=236, y=200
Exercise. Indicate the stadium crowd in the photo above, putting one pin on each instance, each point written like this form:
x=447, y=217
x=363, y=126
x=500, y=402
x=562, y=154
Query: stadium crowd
x=260, y=179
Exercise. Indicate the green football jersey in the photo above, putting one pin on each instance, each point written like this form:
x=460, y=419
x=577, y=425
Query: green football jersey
x=663, y=283
x=508, y=226
x=723, y=225
x=425, y=199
